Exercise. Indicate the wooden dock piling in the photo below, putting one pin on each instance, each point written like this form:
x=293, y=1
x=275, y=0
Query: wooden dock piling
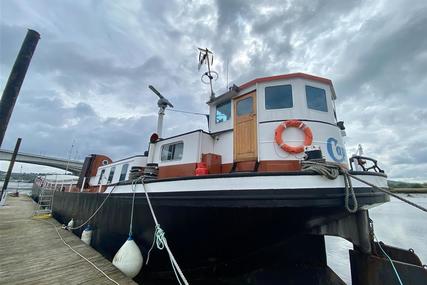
x=31, y=251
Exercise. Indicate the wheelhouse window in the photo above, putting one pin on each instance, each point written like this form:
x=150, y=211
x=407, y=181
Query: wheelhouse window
x=278, y=97
x=111, y=175
x=123, y=172
x=245, y=106
x=101, y=176
x=172, y=151
x=223, y=112
x=316, y=98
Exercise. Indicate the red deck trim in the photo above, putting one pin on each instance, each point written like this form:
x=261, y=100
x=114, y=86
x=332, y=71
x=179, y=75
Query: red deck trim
x=286, y=76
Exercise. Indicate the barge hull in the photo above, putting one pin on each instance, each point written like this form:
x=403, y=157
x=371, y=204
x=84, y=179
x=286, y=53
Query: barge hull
x=216, y=237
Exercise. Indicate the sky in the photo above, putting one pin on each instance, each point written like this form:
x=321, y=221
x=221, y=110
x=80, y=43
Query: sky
x=86, y=90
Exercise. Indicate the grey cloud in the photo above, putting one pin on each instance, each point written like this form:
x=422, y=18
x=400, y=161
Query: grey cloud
x=89, y=76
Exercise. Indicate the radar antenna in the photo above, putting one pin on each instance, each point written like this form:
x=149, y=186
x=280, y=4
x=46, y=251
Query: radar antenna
x=163, y=103
x=206, y=57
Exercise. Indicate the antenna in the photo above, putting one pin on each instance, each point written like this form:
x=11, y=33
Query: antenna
x=227, y=75
x=163, y=103
x=206, y=57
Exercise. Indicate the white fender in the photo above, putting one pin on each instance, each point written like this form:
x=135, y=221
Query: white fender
x=129, y=258
x=87, y=235
x=71, y=223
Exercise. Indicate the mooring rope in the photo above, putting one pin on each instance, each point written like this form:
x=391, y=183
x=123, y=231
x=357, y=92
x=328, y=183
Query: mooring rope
x=389, y=193
x=391, y=261
x=332, y=170
x=76, y=252
x=161, y=242
x=94, y=213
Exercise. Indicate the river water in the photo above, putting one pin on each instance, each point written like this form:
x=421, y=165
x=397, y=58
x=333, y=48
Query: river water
x=23, y=188
x=395, y=223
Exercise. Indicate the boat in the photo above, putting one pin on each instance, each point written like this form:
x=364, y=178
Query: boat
x=248, y=201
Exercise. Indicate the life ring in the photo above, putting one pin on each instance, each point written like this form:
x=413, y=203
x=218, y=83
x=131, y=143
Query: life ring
x=296, y=124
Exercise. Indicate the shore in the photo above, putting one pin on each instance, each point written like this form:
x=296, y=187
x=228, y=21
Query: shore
x=409, y=190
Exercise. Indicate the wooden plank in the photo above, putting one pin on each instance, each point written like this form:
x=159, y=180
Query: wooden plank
x=31, y=251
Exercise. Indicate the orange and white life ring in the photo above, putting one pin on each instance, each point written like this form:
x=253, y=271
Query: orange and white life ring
x=295, y=124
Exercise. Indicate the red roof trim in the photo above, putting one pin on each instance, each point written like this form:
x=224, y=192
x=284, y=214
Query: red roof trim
x=286, y=76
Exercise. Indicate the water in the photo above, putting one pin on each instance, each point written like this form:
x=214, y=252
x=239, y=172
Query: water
x=23, y=188
x=395, y=223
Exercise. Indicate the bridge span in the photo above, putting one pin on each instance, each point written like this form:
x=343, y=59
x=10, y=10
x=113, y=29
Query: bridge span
x=73, y=166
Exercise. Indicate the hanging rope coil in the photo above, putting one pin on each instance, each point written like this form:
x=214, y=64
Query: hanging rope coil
x=331, y=171
x=389, y=193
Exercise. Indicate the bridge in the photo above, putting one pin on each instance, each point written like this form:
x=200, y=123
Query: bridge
x=73, y=166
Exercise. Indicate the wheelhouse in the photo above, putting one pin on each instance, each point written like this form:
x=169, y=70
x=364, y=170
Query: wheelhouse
x=242, y=127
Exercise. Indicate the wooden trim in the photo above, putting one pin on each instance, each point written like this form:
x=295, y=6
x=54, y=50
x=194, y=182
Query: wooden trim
x=279, y=165
x=177, y=170
x=264, y=166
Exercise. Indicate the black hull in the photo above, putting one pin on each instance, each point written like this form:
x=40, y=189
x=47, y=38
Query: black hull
x=213, y=240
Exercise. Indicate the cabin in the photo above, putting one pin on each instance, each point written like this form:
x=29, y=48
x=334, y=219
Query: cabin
x=242, y=129
x=264, y=125
x=117, y=171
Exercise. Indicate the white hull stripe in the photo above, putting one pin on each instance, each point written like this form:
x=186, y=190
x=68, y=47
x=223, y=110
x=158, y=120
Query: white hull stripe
x=249, y=183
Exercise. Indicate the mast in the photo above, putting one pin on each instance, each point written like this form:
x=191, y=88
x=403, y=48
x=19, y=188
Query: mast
x=163, y=103
x=206, y=57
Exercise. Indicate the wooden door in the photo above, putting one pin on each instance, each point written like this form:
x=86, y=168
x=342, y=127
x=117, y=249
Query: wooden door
x=245, y=128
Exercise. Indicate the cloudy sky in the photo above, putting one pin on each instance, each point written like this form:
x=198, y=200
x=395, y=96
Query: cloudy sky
x=88, y=79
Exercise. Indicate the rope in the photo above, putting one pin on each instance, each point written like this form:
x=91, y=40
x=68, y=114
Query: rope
x=331, y=171
x=187, y=112
x=96, y=211
x=391, y=261
x=327, y=169
x=76, y=252
x=349, y=188
x=161, y=243
x=389, y=193
x=133, y=206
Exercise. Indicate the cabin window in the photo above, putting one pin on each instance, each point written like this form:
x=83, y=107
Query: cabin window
x=223, y=112
x=111, y=175
x=172, y=151
x=278, y=97
x=101, y=176
x=316, y=98
x=124, y=172
x=245, y=106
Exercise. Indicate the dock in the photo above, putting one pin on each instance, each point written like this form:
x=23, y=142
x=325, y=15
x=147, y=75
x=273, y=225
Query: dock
x=31, y=252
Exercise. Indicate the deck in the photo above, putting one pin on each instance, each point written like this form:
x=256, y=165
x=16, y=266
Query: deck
x=31, y=251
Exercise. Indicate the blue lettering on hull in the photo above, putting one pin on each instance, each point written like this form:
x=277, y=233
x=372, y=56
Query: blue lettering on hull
x=336, y=152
